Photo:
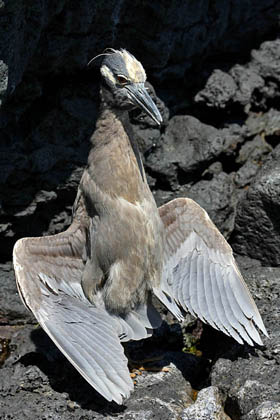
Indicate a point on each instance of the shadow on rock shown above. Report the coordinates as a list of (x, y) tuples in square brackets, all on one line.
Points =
[(161, 353), (63, 377)]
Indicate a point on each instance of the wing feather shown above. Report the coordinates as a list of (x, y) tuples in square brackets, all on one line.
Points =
[(219, 318), (49, 272), (201, 273), (223, 310), (193, 292), (209, 301), (200, 288)]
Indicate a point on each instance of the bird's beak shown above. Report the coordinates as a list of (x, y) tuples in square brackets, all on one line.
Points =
[(140, 97)]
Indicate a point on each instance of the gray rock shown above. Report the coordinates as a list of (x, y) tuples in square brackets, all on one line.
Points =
[(218, 91), (257, 221), (3, 79), (49, 101), (244, 88), (37, 379), (268, 410), (255, 149), (41, 184), (267, 124), (217, 195), (61, 37), (219, 198), (162, 196), (252, 156), (247, 81), (266, 60), (12, 311), (252, 377), (246, 174), (188, 147), (189, 151), (208, 406), (48, 109), (248, 395)]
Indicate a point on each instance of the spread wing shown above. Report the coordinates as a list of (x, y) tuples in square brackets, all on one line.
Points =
[(48, 272), (201, 276)]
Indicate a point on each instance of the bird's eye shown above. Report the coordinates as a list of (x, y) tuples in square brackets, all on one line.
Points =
[(122, 80)]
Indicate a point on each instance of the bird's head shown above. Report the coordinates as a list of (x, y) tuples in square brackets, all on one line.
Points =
[(123, 80)]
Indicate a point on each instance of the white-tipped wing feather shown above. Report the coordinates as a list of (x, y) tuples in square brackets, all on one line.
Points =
[(201, 276), (88, 337), (48, 272)]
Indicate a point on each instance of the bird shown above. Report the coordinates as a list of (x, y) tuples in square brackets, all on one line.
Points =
[(91, 287)]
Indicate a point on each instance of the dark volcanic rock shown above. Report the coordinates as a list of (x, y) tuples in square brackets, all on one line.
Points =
[(49, 101), (266, 60), (188, 147), (247, 81), (29, 392), (61, 37), (212, 154), (258, 215), (36, 379), (252, 156), (247, 85), (219, 198), (189, 151), (267, 124), (12, 311), (217, 195), (225, 89), (40, 174), (253, 377), (219, 90)]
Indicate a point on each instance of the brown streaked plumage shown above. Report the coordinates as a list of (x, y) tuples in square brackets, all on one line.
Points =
[(91, 286)]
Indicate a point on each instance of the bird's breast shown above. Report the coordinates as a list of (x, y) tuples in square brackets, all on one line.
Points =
[(128, 235), (130, 244)]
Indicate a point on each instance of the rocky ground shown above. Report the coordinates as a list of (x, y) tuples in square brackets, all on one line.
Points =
[(217, 73), (212, 377)]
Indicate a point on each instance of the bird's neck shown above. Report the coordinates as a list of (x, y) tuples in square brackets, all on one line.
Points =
[(114, 162)]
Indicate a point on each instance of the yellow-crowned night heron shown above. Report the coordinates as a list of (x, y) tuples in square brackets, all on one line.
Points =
[(90, 287)]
